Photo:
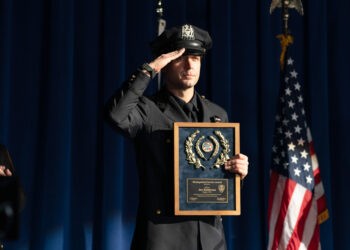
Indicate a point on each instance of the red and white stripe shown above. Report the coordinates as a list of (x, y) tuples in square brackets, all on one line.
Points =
[(319, 190), (293, 211)]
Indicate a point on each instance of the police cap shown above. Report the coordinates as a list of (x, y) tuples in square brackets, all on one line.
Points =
[(195, 40)]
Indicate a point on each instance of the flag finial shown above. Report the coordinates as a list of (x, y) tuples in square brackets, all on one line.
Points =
[(294, 4), (285, 5)]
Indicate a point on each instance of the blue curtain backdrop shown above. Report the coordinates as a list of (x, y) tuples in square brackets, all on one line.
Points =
[(61, 59)]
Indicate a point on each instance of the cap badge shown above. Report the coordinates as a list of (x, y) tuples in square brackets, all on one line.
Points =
[(187, 32)]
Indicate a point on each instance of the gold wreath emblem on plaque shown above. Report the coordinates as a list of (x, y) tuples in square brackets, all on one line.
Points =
[(191, 157)]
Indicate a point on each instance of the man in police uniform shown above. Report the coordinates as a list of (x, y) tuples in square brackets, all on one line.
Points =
[(148, 122)]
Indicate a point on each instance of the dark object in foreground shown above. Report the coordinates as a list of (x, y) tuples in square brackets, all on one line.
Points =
[(9, 207)]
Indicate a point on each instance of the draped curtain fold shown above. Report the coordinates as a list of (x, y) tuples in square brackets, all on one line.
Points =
[(61, 59)]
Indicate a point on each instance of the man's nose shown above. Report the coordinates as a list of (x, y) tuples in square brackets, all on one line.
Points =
[(188, 63)]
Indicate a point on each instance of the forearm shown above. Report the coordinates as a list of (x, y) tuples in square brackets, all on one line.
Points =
[(122, 110)]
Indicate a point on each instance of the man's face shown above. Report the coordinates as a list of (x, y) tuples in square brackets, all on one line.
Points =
[(183, 72)]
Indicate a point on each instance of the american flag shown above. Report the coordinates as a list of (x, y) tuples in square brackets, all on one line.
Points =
[(297, 203)]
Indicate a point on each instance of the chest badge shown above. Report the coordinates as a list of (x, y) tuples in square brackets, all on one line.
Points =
[(215, 119)]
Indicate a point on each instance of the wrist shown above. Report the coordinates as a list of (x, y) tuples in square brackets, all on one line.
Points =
[(148, 70), (153, 66), (146, 73)]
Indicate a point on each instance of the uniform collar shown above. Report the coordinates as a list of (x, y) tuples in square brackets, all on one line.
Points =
[(174, 111), (182, 103)]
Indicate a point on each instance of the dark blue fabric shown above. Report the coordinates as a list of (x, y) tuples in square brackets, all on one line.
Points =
[(61, 59)]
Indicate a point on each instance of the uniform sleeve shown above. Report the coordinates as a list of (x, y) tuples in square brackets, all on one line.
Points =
[(126, 110)]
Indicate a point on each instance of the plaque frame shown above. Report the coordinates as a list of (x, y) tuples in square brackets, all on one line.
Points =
[(231, 210)]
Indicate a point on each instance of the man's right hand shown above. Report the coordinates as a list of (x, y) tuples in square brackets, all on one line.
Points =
[(163, 60)]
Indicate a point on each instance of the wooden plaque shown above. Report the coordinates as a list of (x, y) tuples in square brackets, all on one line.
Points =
[(202, 185)]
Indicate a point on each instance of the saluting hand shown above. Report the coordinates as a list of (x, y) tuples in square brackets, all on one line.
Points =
[(238, 164), (5, 171), (162, 60)]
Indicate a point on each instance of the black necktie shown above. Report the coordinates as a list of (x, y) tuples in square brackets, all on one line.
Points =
[(190, 111)]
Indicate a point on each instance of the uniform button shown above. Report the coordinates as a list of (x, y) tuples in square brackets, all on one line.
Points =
[(132, 78), (168, 140), (158, 211), (203, 96)]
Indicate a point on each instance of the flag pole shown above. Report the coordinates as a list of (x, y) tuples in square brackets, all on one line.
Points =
[(285, 16), (161, 28)]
